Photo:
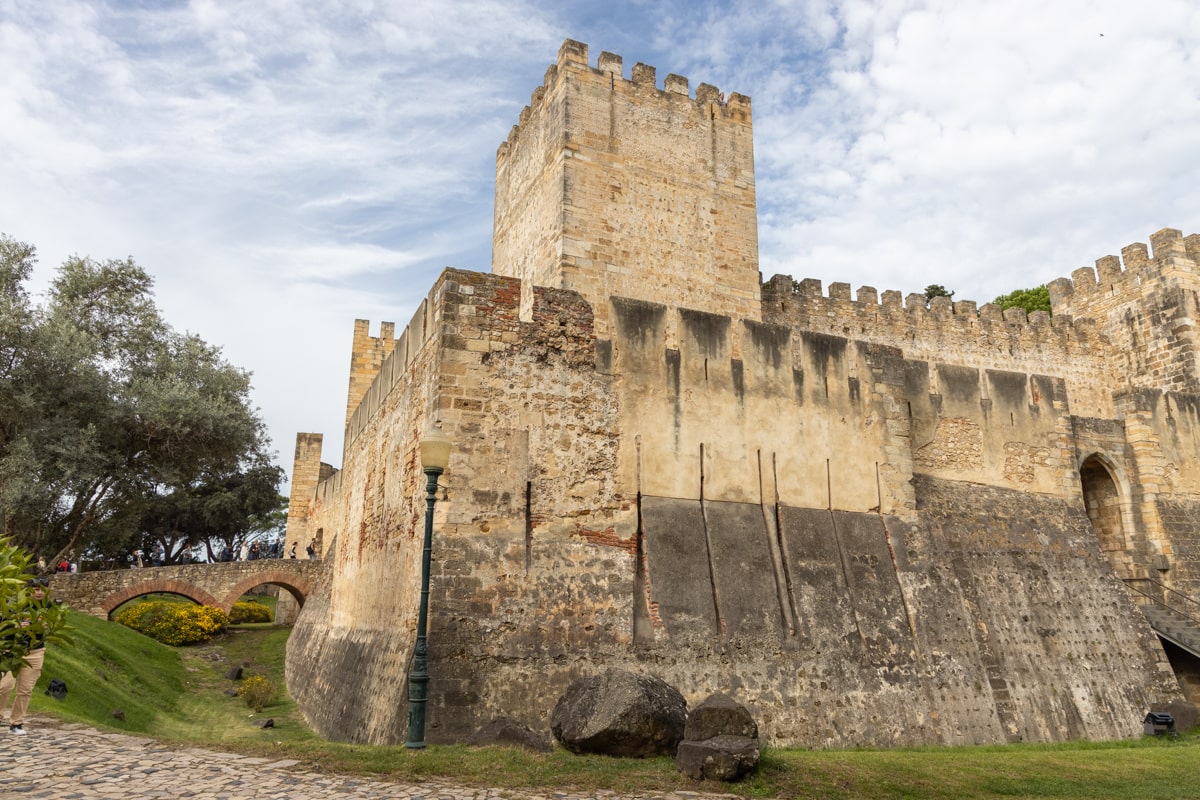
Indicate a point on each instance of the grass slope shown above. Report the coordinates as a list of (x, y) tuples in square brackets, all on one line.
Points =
[(180, 694)]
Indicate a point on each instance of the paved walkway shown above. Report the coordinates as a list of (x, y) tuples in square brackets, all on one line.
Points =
[(74, 762)]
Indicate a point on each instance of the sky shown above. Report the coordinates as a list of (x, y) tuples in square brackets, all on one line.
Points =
[(284, 167)]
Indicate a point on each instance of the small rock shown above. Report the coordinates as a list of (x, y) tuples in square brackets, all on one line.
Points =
[(231, 692), (234, 674), (719, 715), (507, 732), (265, 723), (721, 758), (57, 689), (119, 714)]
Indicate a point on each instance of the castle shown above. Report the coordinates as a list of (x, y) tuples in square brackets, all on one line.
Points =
[(871, 519)]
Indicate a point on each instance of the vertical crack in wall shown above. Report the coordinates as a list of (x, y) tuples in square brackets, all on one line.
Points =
[(842, 557), (771, 525), (784, 553), (643, 624), (528, 526), (712, 573)]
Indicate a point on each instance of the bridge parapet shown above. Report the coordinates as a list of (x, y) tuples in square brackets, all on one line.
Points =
[(219, 585)]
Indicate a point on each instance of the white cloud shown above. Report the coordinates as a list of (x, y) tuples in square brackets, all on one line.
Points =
[(284, 167)]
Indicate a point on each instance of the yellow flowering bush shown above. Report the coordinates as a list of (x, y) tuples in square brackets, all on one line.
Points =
[(257, 691), (173, 623), (249, 612)]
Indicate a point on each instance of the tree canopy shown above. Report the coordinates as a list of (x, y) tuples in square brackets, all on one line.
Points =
[(1035, 299), (936, 290), (107, 413)]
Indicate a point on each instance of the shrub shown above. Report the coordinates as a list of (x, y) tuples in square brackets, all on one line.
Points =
[(257, 691), (249, 612), (174, 624)]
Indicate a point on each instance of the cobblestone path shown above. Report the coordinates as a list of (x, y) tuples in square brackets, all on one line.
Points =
[(75, 762)]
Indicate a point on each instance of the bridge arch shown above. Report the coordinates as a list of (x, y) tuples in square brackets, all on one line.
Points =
[(297, 586), (158, 586)]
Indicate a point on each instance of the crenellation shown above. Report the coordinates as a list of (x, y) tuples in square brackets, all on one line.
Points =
[(915, 301), (1016, 314), (941, 307), (644, 76), (675, 84), (1109, 269), (867, 296), (839, 291), (610, 63), (708, 94), (1167, 242), (1136, 256)]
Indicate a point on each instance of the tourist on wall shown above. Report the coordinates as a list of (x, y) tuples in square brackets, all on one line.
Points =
[(311, 550), (293, 551)]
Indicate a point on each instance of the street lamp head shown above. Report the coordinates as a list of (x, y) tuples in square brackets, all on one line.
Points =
[(435, 448)]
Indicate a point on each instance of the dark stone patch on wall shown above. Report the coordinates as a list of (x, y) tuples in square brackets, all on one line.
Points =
[(772, 342), (604, 362), (1008, 390), (823, 350), (638, 322), (677, 567), (742, 566), (958, 386), (875, 587), (822, 597), (710, 332), (798, 385), (737, 373)]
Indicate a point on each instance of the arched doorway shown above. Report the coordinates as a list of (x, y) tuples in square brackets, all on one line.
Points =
[(1102, 499), (1103, 503)]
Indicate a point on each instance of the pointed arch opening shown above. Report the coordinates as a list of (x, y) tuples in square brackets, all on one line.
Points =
[(1102, 499)]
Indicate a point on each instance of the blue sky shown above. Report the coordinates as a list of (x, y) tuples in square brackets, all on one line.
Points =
[(283, 167)]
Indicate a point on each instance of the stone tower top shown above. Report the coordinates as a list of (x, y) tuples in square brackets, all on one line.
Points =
[(613, 186)]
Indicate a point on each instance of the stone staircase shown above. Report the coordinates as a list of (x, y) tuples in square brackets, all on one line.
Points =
[(1174, 627)]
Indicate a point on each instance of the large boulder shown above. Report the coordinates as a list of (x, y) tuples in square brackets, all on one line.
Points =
[(720, 741), (619, 713)]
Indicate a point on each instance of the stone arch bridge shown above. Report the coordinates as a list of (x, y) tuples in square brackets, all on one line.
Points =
[(219, 585)]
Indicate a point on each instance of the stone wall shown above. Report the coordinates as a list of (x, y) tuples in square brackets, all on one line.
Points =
[(810, 526)]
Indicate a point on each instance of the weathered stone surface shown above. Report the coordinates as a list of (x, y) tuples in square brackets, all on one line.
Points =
[(721, 758), (719, 715), (234, 674), (618, 713), (510, 733)]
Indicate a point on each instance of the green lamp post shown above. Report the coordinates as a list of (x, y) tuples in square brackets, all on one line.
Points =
[(435, 454)]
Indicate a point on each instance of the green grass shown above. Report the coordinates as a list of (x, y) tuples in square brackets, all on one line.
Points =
[(179, 694)]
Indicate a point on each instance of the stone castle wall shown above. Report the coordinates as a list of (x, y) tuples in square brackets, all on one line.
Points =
[(872, 520), (776, 526)]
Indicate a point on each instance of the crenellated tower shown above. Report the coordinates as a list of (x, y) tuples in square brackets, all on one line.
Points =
[(1147, 306), (613, 186)]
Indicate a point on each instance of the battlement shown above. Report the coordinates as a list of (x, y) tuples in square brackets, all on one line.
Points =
[(1116, 280), (573, 57), (894, 315)]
